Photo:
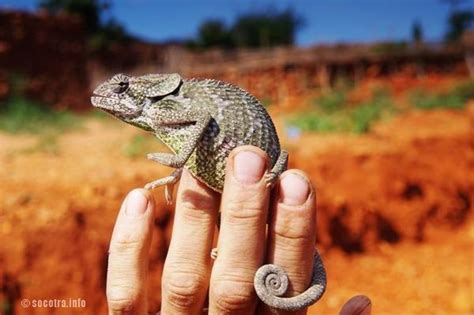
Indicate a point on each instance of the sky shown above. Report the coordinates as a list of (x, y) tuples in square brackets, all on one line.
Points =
[(326, 21)]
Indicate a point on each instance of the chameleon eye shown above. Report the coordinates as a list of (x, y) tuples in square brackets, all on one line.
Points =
[(121, 87)]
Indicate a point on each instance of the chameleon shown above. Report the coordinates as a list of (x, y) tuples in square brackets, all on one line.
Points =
[(201, 121)]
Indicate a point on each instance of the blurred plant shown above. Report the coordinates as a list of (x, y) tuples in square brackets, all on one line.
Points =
[(266, 29), (18, 114), (89, 11), (139, 146), (390, 47), (96, 113), (332, 101), (456, 98), (100, 32), (111, 32), (316, 122), (266, 102), (458, 22), (336, 117), (214, 33), (417, 32), (465, 90), (256, 29), (364, 115), (21, 115)]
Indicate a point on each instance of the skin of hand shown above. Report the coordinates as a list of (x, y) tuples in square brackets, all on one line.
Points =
[(189, 274)]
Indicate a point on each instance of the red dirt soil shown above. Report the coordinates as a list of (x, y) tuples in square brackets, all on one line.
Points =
[(394, 214)]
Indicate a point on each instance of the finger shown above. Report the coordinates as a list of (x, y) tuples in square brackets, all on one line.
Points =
[(292, 234), (357, 305), (242, 235), (187, 268), (128, 255)]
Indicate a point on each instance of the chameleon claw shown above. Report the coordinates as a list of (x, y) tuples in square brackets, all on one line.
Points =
[(149, 186), (162, 158), (169, 194), (214, 253), (269, 178)]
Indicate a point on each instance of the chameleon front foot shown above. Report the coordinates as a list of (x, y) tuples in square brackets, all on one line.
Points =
[(169, 181), (167, 159), (271, 282)]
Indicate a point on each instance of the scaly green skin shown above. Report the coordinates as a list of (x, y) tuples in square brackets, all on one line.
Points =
[(222, 101), (202, 121)]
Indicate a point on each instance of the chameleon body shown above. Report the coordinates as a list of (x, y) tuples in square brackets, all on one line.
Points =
[(202, 121)]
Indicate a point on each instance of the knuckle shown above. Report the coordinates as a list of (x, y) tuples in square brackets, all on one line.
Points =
[(184, 290), (244, 209), (295, 233), (231, 296), (196, 202), (125, 244), (119, 300)]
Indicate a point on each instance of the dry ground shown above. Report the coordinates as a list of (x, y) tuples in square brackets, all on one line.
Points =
[(395, 213)]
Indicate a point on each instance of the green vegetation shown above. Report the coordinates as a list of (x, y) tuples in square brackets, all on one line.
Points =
[(458, 22), (395, 47), (20, 115), (333, 101), (380, 106), (332, 114), (266, 102), (100, 32), (456, 98), (321, 122), (423, 100), (255, 29), (139, 146), (464, 90), (417, 32)]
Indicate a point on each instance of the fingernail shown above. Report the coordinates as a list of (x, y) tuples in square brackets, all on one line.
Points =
[(136, 203), (357, 305), (294, 189), (248, 167)]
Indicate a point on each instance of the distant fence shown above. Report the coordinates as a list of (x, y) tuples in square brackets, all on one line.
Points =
[(279, 72), (51, 52)]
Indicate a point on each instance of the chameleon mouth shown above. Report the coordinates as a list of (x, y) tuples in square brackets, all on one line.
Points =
[(115, 106), (100, 100), (104, 103), (96, 100), (100, 95)]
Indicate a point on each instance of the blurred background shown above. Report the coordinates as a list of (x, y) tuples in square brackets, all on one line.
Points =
[(373, 99)]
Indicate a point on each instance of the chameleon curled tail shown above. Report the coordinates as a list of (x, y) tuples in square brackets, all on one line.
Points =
[(271, 282)]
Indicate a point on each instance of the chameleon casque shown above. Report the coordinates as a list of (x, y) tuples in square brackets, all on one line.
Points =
[(201, 121)]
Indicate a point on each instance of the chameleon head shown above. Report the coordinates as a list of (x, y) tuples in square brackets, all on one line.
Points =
[(117, 97), (128, 97)]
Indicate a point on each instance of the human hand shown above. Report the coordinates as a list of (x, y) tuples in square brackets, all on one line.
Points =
[(243, 244)]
